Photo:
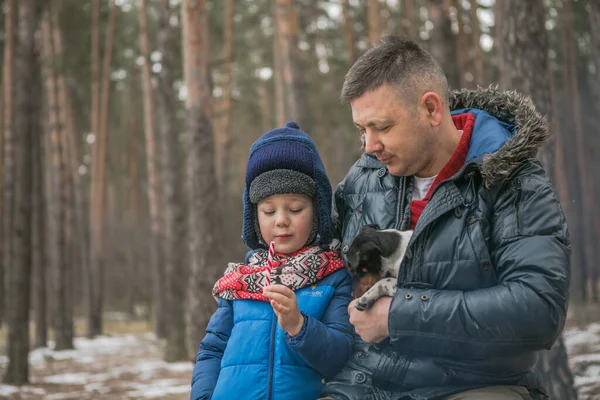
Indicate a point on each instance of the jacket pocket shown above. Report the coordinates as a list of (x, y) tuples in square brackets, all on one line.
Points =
[(479, 244)]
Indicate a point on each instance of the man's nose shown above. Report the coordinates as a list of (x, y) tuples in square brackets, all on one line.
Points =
[(372, 143)]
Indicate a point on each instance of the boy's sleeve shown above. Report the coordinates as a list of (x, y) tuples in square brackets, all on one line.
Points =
[(212, 347), (326, 345)]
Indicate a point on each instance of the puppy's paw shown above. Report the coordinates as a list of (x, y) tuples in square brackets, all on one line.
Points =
[(364, 303)]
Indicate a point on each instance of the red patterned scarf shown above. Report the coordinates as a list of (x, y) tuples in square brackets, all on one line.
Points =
[(302, 268)]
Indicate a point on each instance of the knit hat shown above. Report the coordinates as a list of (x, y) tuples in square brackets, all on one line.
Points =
[(286, 160)]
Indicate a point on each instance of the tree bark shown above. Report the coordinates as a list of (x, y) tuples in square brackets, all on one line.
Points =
[(17, 371), (295, 88), (442, 43), (62, 320), (409, 21), (204, 213), (172, 184), (77, 205), (281, 112), (594, 14), (348, 33), (373, 21), (223, 145), (158, 293), (477, 53), (585, 235), (522, 32), (39, 238), (7, 201)]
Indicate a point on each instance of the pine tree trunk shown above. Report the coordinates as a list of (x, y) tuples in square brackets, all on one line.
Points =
[(409, 21), (133, 212), (584, 181), (17, 371), (77, 205), (373, 21), (281, 113), (204, 212), (62, 320), (40, 260), (223, 146), (159, 290), (462, 46), (348, 33), (295, 88), (172, 185), (594, 15), (523, 46), (8, 185), (479, 79), (442, 43)]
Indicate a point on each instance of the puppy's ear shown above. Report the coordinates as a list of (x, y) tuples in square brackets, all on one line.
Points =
[(359, 248)]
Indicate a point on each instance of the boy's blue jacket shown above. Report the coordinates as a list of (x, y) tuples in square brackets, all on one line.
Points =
[(246, 355)]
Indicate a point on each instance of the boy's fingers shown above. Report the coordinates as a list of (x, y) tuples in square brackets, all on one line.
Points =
[(281, 289), (280, 298)]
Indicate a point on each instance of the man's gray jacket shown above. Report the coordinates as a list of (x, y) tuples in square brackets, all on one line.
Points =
[(484, 284)]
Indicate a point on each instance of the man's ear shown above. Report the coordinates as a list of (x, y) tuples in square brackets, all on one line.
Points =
[(434, 106)]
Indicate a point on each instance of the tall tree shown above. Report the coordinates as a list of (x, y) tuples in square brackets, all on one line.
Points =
[(158, 281), (62, 319), (477, 53), (17, 371), (293, 74), (223, 139), (373, 21), (39, 243), (522, 31), (77, 219), (93, 284), (442, 43), (97, 253), (204, 211), (172, 189), (281, 112), (594, 15), (8, 158), (348, 33)]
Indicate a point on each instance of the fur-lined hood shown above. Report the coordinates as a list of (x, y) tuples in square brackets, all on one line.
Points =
[(529, 128)]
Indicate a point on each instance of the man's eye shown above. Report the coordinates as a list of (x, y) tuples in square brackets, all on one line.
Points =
[(384, 129)]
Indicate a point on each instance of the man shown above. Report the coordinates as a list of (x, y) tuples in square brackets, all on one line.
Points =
[(484, 283)]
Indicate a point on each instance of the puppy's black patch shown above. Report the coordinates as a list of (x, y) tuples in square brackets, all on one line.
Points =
[(365, 252)]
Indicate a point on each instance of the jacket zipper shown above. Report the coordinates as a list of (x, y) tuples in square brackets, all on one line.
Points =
[(401, 210), (271, 357)]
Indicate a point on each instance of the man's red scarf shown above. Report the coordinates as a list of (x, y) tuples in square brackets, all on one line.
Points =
[(462, 122), (302, 268)]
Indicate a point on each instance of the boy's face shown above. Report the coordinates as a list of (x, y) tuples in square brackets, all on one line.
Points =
[(286, 219)]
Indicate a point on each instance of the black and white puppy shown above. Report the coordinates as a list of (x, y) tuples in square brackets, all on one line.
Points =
[(378, 253)]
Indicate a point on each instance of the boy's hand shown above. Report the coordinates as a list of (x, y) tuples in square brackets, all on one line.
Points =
[(283, 301)]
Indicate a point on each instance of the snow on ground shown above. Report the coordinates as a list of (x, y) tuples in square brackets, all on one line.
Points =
[(118, 367), (583, 347), (130, 367)]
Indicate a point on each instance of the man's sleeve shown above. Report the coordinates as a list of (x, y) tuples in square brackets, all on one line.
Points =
[(524, 312)]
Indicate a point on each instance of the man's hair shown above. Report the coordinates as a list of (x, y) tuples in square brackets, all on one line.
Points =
[(400, 63)]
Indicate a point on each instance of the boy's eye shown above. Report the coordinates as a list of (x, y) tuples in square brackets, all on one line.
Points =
[(297, 210), (268, 212)]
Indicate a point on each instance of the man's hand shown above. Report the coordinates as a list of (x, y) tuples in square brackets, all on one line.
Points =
[(283, 301), (371, 324)]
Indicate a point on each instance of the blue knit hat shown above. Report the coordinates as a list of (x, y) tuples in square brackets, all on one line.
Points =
[(295, 155)]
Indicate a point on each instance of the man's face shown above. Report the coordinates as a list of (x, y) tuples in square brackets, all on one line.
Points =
[(395, 132)]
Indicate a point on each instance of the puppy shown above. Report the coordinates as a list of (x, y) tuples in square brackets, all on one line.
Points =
[(377, 253)]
